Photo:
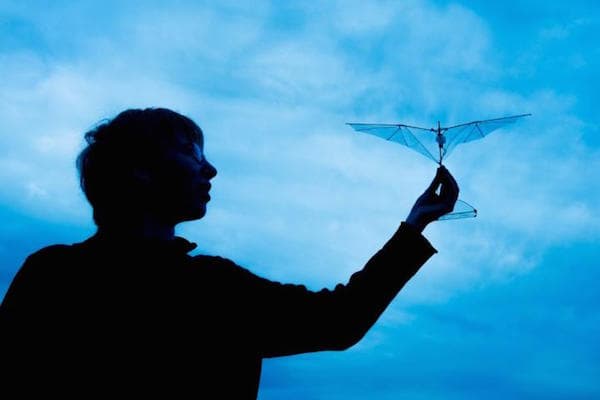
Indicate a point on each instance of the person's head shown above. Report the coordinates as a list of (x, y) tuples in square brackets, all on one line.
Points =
[(145, 163)]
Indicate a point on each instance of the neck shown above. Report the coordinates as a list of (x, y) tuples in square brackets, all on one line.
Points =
[(145, 229)]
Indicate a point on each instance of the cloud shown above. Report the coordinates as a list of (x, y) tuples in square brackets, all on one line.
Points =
[(300, 197)]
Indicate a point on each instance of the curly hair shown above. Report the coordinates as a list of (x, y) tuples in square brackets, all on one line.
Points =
[(116, 148)]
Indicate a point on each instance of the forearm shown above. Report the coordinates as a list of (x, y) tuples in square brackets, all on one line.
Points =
[(336, 319), (371, 290)]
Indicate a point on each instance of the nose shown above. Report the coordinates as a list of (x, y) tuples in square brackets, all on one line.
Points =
[(208, 170)]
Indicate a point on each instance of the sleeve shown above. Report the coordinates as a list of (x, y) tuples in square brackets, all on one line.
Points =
[(291, 319)]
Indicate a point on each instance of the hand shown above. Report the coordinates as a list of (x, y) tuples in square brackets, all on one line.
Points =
[(430, 205)]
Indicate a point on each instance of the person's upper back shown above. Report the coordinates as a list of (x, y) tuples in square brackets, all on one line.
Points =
[(104, 312)]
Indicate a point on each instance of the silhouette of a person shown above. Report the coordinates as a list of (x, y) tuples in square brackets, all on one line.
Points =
[(129, 311)]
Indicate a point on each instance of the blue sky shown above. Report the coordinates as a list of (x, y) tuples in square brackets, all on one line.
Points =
[(508, 308)]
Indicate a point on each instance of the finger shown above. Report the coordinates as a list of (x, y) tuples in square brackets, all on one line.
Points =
[(449, 191), (452, 182)]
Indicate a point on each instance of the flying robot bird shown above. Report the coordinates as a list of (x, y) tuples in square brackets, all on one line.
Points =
[(437, 143)]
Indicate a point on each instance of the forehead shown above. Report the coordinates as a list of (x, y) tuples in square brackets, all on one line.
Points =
[(182, 148), (188, 140)]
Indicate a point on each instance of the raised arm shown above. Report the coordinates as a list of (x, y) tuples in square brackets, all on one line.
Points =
[(289, 319)]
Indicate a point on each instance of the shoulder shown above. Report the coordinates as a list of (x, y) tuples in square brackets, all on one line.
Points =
[(39, 270), (50, 255), (224, 268), (50, 260), (46, 256), (217, 263), (52, 251)]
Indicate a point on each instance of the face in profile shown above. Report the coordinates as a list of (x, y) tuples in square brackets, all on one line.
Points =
[(185, 182)]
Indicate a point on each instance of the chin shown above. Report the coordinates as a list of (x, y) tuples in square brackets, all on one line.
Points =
[(195, 214)]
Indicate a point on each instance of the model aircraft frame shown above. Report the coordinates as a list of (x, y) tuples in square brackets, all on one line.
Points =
[(437, 143)]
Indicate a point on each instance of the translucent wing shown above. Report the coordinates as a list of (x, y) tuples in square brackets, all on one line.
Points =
[(462, 209), (418, 139), (470, 131)]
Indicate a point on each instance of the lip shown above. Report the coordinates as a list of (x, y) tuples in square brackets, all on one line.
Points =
[(205, 188)]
